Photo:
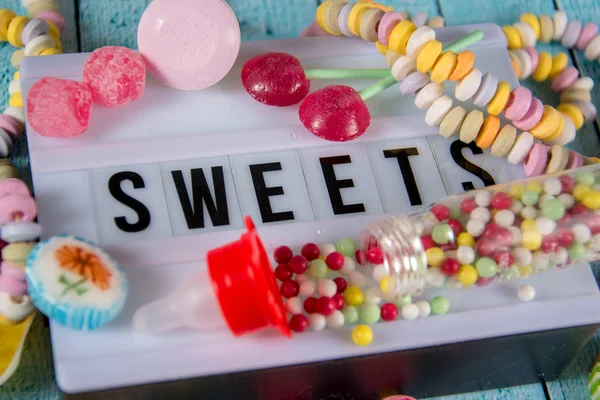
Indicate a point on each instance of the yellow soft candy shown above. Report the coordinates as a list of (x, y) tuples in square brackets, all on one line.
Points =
[(428, 56), (353, 296), (516, 190), (53, 29), (443, 67), (6, 16), (320, 18), (16, 58), (386, 284), (15, 100), (50, 52), (362, 335), (579, 190), (573, 112), (356, 15), (467, 275), (382, 48), (513, 37), (535, 186), (531, 240), (435, 256), (16, 76), (465, 239), (525, 271), (528, 225), (559, 63), (542, 72), (591, 199), (498, 102), (15, 29), (531, 20), (400, 35)]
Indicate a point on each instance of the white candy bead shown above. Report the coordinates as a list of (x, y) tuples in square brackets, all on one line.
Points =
[(371, 296), (327, 287), (545, 197), (6, 144), (418, 40), (17, 113), (380, 272), (522, 256), (525, 62), (308, 288), (529, 212), (465, 255), (402, 67), (527, 34), (326, 249), (475, 227), (582, 234), (317, 322), (428, 95), (583, 83), (483, 198), (348, 267), (357, 279), (15, 309), (540, 261), (517, 235), (438, 111), (301, 278), (526, 292), (560, 256), (481, 214), (21, 232), (14, 87), (467, 87), (435, 277), (560, 23), (410, 311), (424, 308), (335, 319), (521, 148), (37, 44), (552, 186), (294, 305), (545, 226), (516, 206), (505, 218), (592, 50)]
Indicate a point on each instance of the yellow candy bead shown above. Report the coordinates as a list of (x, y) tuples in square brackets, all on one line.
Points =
[(465, 239), (535, 186), (435, 256), (528, 225), (516, 190), (467, 275), (525, 271), (531, 20), (559, 63), (591, 199), (50, 52), (39, 6), (443, 67), (320, 18), (498, 102), (16, 100), (16, 76), (15, 29), (362, 335), (53, 31), (386, 284), (356, 15), (547, 125), (513, 37), (6, 16), (400, 35), (428, 56), (579, 190), (531, 240), (544, 67), (573, 112), (16, 58), (382, 48), (353, 296), (559, 129)]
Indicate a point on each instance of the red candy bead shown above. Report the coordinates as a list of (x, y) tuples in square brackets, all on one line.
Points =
[(486, 247), (504, 259), (335, 113), (490, 229), (450, 266), (310, 251), (283, 272), (565, 220), (549, 244), (59, 107), (468, 205), (298, 323), (456, 226), (389, 312), (325, 305), (360, 257), (115, 75), (568, 184), (578, 210), (484, 281), (289, 289), (341, 284), (310, 305), (427, 242), (375, 255), (276, 79), (593, 222), (335, 261), (338, 300), (501, 201), (565, 237), (441, 212), (283, 254), (449, 247), (298, 264)]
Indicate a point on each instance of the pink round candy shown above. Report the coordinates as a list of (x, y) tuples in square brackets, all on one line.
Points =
[(387, 24), (11, 126), (565, 79), (189, 44), (13, 186), (535, 57), (59, 107), (536, 160), (55, 17), (575, 160), (588, 33), (12, 271), (518, 103), (115, 75), (17, 207), (532, 117), (12, 287)]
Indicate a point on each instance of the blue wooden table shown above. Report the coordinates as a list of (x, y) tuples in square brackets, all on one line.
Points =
[(96, 23)]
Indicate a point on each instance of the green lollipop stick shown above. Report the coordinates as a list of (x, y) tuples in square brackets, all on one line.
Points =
[(324, 73)]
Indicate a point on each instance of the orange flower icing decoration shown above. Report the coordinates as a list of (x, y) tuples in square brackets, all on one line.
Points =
[(85, 264)]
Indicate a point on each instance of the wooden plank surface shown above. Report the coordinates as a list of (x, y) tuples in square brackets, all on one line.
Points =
[(114, 22)]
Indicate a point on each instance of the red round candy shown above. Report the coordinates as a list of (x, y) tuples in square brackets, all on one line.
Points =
[(502, 237), (375, 255), (501, 201), (486, 247), (310, 251), (565, 220), (484, 281), (336, 113), (549, 244), (504, 259), (468, 205), (335, 261), (115, 75), (450, 266), (491, 229), (298, 323), (389, 312), (565, 237), (360, 257), (283, 272), (456, 226), (298, 264), (283, 254), (341, 284), (59, 107), (579, 209), (441, 212), (427, 242), (276, 79), (325, 305), (593, 222), (568, 184), (449, 247), (310, 305), (289, 289), (338, 300)]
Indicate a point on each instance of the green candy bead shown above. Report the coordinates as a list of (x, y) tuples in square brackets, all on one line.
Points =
[(346, 247), (455, 212), (442, 234), (369, 313), (586, 178), (530, 198), (553, 209), (317, 269), (576, 251), (402, 301), (350, 314), (439, 305), (486, 267)]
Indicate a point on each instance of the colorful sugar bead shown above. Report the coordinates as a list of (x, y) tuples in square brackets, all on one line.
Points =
[(362, 335)]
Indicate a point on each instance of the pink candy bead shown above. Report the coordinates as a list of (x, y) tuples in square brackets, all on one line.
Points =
[(536, 160), (588, 33), (17, 207), (575, 160), (12, 271), (532, 117), (13, 186), (55, 17), (535, 58), (11, 126), (387, 24), (565, 79), (518, 103), (12, 286)]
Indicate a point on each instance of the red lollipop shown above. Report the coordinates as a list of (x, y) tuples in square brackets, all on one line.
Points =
[(275, 79), (335, 113)]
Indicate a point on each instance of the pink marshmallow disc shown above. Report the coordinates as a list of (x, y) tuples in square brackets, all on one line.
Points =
[(189, 44), (115, 75), (59, 107)]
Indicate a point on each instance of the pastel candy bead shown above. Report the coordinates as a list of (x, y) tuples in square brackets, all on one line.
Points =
[(11, 286), (438, 110), (544, 67), (560, 23), (498, 102), (6, 16), (535, 57), (588, 110), (436, 22), (15, 30), (17, 253), (189, 44), (388, 22), (11, 126), (525, 63), (547, 124), (420, 18), (355, 17), (320, 18), (575, 160), (75, 283), (7, 172), (13, 271), (572, 31), (572, 95), (418, 40), (535, 162), (532, 117), (588, 33), (16, 57), (566, 136), (546, 29), (572, 112), (368, 24), (489, 131), (558, 159), (471, 126), (6, 144), (15, 309), (527, 34), (38, 45), (504, 141), (486, 90), (343, 19), (17, 113), (583, 83), (55, 17), (464, 64), (452, 121), (20, 232), (59, 107), (14, 87), (518, 104), (559, 63), (443, 67), (512, 37), (430, 93), (39, 6), (17, 207), (592, 50), (13, 186), (565, 79), (400, 35), (521, 148), (402, 67), (34, 28), (413, 82), (468, 85), (331, 14), (532, 21), (391, 57)]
